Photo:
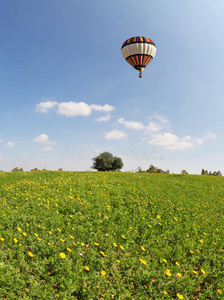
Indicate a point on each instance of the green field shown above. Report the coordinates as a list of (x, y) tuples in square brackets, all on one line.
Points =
[(93, 235)]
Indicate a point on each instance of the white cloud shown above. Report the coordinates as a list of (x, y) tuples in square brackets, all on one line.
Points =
[(2, 158), (103, 119), (164, 139), (47, 149), (10, 144), (154, 127), (44, 107), (199, 141), (131, 124), (210, 135), (171, 141), (116, 134), (181, 145), (160, 119), (71, 109), (43, 138), (1, 141), (106, 107)]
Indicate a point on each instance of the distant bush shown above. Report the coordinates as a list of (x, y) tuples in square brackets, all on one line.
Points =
[(184, 172), (34, 170), (215, 173), (153, 169), (17, 169)]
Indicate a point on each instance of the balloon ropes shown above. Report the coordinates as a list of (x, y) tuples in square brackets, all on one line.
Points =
[(138, 51)]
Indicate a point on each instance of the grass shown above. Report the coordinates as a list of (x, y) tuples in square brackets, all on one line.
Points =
[(93, 235)]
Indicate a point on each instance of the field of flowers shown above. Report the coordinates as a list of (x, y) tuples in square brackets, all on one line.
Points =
[(93, 235)]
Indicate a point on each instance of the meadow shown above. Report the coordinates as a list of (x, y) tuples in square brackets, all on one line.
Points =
[(93, 235)]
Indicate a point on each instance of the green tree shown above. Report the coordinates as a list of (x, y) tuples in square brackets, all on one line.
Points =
[(17, 169), (139, 170), (184, 172), (152, 169), (204, 172), (106, 162), (117, 163), (34, 170)]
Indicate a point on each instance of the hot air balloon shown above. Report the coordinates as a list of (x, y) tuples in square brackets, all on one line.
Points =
[(138, 51)]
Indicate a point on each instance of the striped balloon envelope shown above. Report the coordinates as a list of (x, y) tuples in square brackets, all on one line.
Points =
[(138, 51)]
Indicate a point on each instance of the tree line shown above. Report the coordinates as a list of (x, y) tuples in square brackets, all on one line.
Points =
[(107, 162)]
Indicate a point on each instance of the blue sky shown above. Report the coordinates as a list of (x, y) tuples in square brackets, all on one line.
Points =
[(67, 94)]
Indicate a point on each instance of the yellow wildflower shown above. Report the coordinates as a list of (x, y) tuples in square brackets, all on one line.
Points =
[(180, 296), (121, 247), (62, 255), (168, 273), (115, 245), (15, 240), (202, 271), (165, 292), (103, 254), (30, 254), (142, 261), (142, 248), (87, 268), (103, 273), (179, 275), (219, 292)]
